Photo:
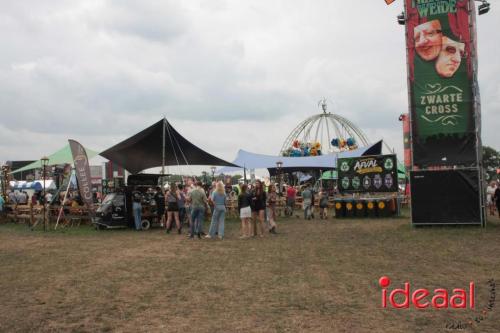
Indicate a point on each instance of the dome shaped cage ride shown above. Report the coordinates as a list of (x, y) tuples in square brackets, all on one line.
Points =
[(323, 133)]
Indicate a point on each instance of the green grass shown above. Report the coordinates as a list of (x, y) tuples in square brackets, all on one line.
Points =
[(314, 276)]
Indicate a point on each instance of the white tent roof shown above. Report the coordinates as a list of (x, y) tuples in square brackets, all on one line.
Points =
[(246, 159)]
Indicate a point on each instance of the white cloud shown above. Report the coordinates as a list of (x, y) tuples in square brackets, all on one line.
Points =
[(227, 74)]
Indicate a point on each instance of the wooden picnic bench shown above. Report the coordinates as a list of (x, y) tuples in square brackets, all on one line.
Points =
[(72, 215), (24, 213)]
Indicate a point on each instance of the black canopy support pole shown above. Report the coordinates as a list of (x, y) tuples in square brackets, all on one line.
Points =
[(163, 153)]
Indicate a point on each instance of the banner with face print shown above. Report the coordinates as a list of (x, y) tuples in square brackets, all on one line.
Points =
[(368, 174), (440, 49)]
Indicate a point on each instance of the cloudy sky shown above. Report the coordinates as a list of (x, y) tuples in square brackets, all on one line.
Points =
[(229, 75)]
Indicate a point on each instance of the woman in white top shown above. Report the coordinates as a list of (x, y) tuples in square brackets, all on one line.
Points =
[(490, 191)]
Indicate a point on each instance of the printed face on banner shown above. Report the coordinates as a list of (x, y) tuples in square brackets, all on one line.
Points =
[(428, 39), (450, 57)]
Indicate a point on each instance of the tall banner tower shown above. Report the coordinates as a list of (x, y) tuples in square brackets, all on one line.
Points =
[(446, 176)]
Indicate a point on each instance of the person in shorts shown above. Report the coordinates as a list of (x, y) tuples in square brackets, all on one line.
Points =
[(258, 207), (272, 199), (244, 203), (172, 198), (323, 204)]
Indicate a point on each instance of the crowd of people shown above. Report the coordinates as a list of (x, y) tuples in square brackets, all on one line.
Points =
[(72, 198), (179, 205), (21, 197)]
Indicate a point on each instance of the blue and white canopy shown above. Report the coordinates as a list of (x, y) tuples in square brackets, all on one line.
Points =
[(36, 185), (248, 160)]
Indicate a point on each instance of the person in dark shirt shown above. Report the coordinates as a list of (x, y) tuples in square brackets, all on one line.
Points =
[(258, 208), (159, 198), (182, 204), (137, 208), (496, 199), (244, 203), (172, 196)]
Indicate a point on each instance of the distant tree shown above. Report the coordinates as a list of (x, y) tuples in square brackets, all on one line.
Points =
[(491, 162), (235, 179)]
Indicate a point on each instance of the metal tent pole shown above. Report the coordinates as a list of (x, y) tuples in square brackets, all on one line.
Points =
[(163, 154)]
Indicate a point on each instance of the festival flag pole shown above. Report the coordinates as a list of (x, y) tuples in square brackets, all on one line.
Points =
[(64, 199)]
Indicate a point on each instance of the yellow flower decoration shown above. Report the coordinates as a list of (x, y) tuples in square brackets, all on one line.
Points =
[(381, 205), (349, 206)]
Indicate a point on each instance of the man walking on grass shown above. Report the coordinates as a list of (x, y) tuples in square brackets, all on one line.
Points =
[(307, 197), (199, 202)]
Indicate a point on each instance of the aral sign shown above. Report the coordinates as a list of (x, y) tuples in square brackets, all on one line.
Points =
[(368, 174)]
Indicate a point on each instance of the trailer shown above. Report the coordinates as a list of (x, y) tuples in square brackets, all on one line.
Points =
[(115, 210)]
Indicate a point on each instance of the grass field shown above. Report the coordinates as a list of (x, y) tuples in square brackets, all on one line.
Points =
[(314, 276)]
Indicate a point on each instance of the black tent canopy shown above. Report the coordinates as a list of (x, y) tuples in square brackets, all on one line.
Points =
[(159, 145)]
